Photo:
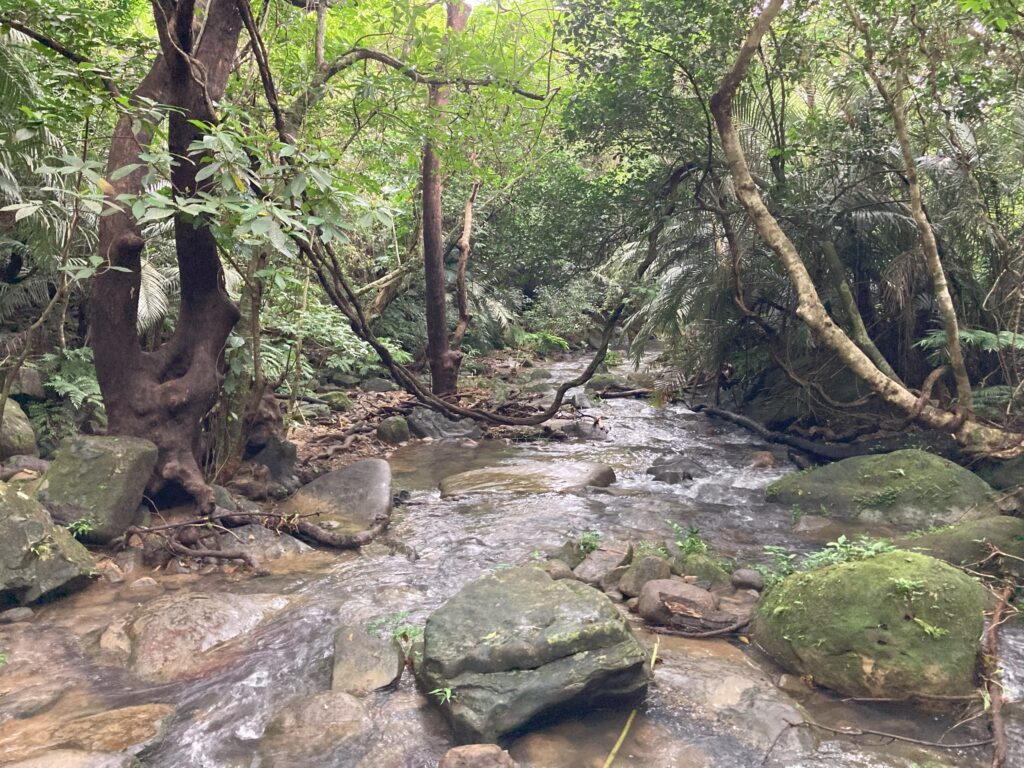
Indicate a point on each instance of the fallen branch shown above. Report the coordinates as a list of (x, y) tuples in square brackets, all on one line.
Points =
[(698, 635), (990, 650), (611, 394)]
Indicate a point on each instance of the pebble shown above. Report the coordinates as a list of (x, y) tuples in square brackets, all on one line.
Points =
[(12, 615)]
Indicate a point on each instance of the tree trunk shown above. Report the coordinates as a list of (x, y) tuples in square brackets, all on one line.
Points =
[(444, 361), (163, 395), (971, 434)]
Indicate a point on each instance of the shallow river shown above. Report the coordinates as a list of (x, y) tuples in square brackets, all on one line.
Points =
[(713, 703)]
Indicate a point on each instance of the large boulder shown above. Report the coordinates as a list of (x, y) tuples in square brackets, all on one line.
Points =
[(98, 482), (911, 489), (515, 644), (897, 625), (971, 543), (16, 435), (424, 422), (347, 500), (529, 477), (171, 636), (36, 556)]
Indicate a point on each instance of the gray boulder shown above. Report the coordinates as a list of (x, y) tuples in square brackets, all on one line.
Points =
[(16, 435), (677, 469), (364, 663), (529, 477), (607, 558), (911, 489), (262, 543), (98, 481), (641, 571), (347, 500), (28, 384), (378, 384), (656, 594), (424, 422), (394, 430), (36, 557), (515, 644)]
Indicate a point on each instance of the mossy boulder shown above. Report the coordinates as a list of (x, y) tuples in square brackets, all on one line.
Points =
[(1003, 475), (910, 489), (394, 430), (336, 400), (515, 645), (898, 625), (705, 567), (969, 543), (98, 481), (16, 435), (37, 558)]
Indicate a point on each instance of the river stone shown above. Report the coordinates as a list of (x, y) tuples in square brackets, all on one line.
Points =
[(36, 557), (654, 594), (747, 578), (99, 480), (262, 543), (394, 430), (676, 470), (16, 435), (912, 489), (75, 758), (641, 571), (529, 477), (968, 543), (363, 663), (477, 756), (596, 566), (515, 644), (170, 635), (702, 566), (424, 422), (347, 500), (601, 382), (896, 625), (311, 726)]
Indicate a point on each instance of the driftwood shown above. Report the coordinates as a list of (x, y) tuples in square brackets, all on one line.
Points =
[(687, 619), (827, 451)]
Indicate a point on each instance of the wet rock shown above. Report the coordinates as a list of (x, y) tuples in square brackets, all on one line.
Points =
[(16, 435), (37, 558), (394, 430), (346, 500), (913, 489), (556, 569), (339, 401), (477, 756), (364, 663), (970, 542), (895, 625), (641, 571), (529, 477), (75, 758), (676, 470), (656, 594), (262, 543), (607, 557), (571, 553), (98, 482), (424, 422), (747, 578), (170, 635), (762, 460), (702, 566), (581, 401), (583, 428), (110, 571), (128, 729), (602, 382), (313, 725), (14, 615), (146, 586), (516, 644), (378, 384)]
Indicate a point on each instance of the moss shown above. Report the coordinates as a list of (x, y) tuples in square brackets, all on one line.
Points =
[(704, 566), (854, 630), (970, 543)]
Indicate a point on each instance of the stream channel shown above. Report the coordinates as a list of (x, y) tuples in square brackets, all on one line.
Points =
[(712, 703)]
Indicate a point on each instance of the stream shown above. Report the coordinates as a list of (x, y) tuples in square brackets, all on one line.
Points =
[(713, 702)]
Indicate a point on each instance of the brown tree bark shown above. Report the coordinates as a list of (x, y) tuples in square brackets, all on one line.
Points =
[(443, 360), (163, 395)]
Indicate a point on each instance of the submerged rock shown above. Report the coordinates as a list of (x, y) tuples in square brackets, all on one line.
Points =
[(896, 625), (169, 636), (16, 435), (364, 663), (477, 756), (529, 477), (346, 500), (424, 422), (312, 725), (37, 558), (515, 644), (98, 483), (910, 488), (676, 469)]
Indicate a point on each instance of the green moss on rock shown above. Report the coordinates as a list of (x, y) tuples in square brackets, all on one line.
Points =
[(911, 488), (970, 543), (898, 625)]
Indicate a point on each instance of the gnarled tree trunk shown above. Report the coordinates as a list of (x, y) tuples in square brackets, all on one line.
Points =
[(163, 395)]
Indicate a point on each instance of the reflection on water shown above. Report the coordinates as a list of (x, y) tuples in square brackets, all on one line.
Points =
[(714, 703)]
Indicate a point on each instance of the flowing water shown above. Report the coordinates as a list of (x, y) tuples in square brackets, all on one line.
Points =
[(713, 702)]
